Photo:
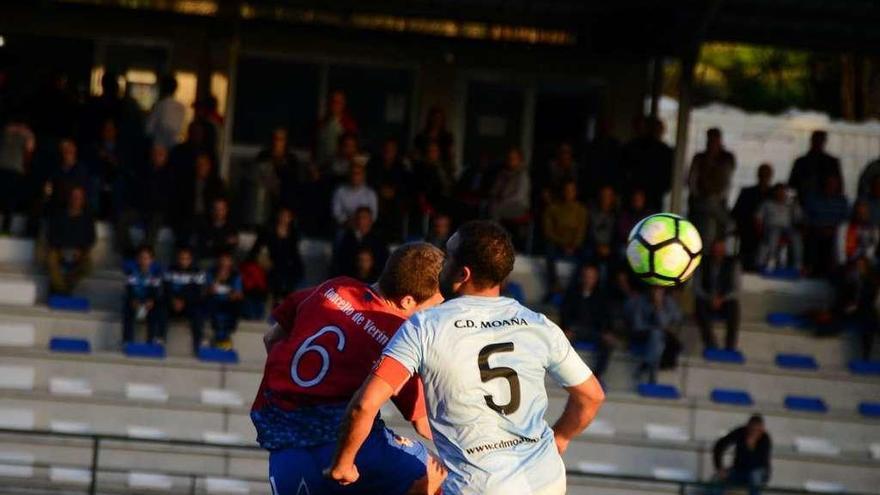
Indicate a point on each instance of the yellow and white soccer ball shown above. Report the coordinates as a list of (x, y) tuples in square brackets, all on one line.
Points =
[(664, 249)]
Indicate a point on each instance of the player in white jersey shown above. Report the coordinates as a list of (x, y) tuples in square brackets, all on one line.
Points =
[(483, 359)]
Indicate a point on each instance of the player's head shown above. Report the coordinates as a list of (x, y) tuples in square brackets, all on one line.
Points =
[(184, 257), (410, 278), (480, 256)]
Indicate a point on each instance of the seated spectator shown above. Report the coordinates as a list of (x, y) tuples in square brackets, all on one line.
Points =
[(655, 316), (435, 131), (165, 122), (223, 302), (716, 291), (347, 154), (68, 175), (855, 303), (389, 177), (472, 189), (195, 196), (562, 168), (184, 292), (601, 233), (509, 195), (433, 179), (365, 268), (255, 289), (825, 212), (281, 240), (143, 299), (216, 233), (270, 180), (751, 459), (628, 217), (441, 229), (155, 210), (17, 144), (355, 194), (744, 211), (183, 157), (586, 318), (857, 238), (70, 237), (355, 238), (869, 176), (110, 174), (873, 199), (565, 228), (776, 218)]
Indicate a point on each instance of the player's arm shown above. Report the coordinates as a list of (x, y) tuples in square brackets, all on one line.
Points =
[(582, 406), (410, 401)]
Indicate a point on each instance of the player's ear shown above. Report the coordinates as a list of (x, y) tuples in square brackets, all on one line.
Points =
[(465, 274), (408, 304)]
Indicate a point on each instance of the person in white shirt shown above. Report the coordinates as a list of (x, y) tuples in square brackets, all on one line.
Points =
[(483, 360), (355, 194), (165, 122)]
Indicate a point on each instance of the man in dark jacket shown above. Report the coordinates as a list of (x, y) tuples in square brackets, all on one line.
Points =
[(71, 235), (751, 461), (216, 233), (195, 197), (184, 293), (716, 289), (744, 212), (810, 171), (586, 317), (360, 236)]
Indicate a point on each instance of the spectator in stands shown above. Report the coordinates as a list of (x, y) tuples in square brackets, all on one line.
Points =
[(585, 315), (440, 231), (17, 144), (157, 181), (630, 216), (216, 233), (347, 156), (869, 175), (857, 238), (365, 268), (183, 157), (359, 236), (165, 122), (655, 316), (561, 169), (601, 233), (270, 181), (281, 240), (435, 131), (825, 212), (143, 298), (510, 195), (602, 165), (751, 460), (646, 161), (184, 292), (313, 196), (777, 218), (195, 197), (433, 180), (855, 302), (209, 118), (565, 229), (224, 296), (472, 188), (873, 200), (716, 291), (810, 171), (70, 237), (336, 122), (68, 175), (388, 176), (709, 181), (744, 213), (355, 194), (122, 109), (255, 290)]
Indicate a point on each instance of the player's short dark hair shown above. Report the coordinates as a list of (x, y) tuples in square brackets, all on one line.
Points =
[(413, 269), (145, 248), (486, 248)]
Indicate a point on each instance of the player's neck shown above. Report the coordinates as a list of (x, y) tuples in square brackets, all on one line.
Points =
[(475, 291)]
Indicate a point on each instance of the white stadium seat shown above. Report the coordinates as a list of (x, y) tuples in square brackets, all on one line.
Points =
[(221, 397), (78, 476), (146, 391), (221, 437), (16, 464), (669, 433), (17, 377), (874, 448), (70, 386), (601, 428), (17, 334), (597, 467), (149, 481), (63, 426), (815, 446), (18, 292), (16, 419), (672, 474), (145, 432), (224, 486), (817, 486)]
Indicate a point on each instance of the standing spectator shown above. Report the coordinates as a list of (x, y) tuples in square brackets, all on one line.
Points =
[(561, 169), (391, 180), (70, 237), (216, 234), (122, 109), (855, 303), (472, 189), (709, 182), (655, 316), (778, 218), (359, 236), (509, 197), (355, 194), (751, 460), (433, 180), (647, 161), (810, 171), (194, 198), (157, 183), (143, 299), (184, 292), (17, 143), (270, 181), (365, 268), (281, 240), (441, 229), (716, 291), (634, 213), (857, 238), (165, 122), (744, 212), (206, 114), (586, 317), (565, 228), (870, 174), (336, 122), (435, 131), (347, 156), (825, 212), (224, 296), (603, 161), (184, 156)]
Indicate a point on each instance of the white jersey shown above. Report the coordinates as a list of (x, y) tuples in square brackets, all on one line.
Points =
[(483, 362)]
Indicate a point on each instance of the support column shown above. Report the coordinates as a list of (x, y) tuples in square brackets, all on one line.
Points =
[(656, 85), (682, 128), (229, 118)]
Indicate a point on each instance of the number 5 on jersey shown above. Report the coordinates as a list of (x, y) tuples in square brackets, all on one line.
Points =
[(488, 373)]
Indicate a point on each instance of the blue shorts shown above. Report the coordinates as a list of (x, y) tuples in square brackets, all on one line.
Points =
[(388, 464)]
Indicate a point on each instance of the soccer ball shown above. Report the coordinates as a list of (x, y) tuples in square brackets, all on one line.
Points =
[(664, 249)]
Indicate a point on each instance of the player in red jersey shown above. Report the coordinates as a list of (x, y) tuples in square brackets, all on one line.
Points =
[(324, 342)]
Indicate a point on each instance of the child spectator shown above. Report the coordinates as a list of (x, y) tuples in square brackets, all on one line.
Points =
[(143, 293), (225, 293), (184, 293), (216, 233), (70, 236), (777, 218), (281, 241), (655, 316), (565, 228), (857, 238)]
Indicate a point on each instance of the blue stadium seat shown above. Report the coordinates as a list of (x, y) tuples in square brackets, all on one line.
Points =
[(658, 391), (806, 404), (796, 361), (723, 356), (585, 346), (213, 355), (870, 409), (145, 350), (731, 396), (782, 274), (780, 319), (865, 367), (69, 344), (68, 303)]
